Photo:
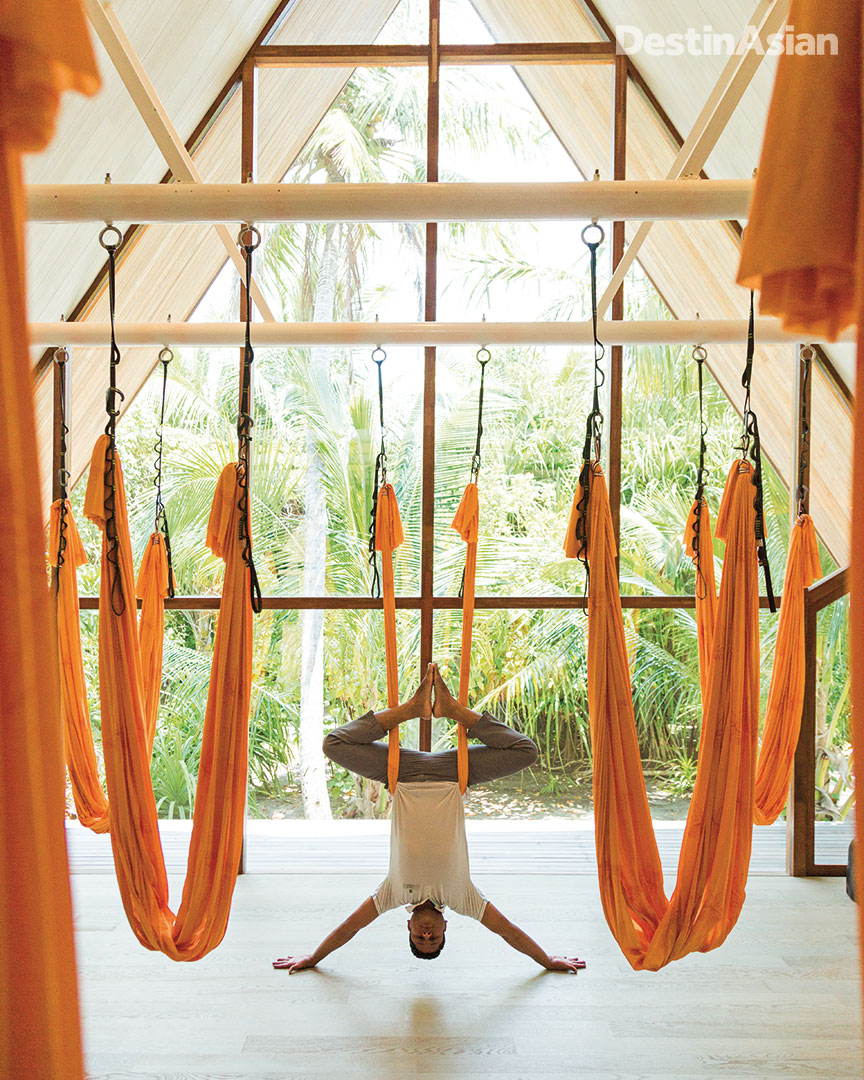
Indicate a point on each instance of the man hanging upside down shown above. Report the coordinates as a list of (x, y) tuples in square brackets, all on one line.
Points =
[(428, 848)]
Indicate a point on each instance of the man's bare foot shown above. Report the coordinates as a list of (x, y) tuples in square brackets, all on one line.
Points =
[(419, 704), (444, 700), (446, 705), (421, 700)]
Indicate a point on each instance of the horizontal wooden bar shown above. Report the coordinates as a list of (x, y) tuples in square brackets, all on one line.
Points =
[(352, 56), (581, 200), (827, 870), (223, 335), (322, 56), (440, 603), (538, 52), (828, 589)]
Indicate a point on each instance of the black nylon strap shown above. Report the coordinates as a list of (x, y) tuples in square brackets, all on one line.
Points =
[(700, 356), (804, 445), (750, 443), (113, 396), (245, 421), (61, 356), (161, 523), (592, 446), (378, 358), (483, 358)]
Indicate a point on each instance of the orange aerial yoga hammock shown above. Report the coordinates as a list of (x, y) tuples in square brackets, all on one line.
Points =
[(786, 694), (467, 523), (715, 851), (220, 797), (386, 536), (155, 582)]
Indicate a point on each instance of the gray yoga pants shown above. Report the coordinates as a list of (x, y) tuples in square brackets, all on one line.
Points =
[(358, 746)]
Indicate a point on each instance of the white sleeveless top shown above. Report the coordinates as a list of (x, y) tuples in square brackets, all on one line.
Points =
[(429, 851)]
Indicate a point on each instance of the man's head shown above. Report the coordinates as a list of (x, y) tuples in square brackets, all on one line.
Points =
[(426, 931)]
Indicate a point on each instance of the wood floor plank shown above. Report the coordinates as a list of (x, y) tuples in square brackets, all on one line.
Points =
[(779, 1000)]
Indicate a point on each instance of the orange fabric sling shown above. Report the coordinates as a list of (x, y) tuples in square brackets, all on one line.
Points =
[(786, 693), (467, 524), (804, 249), (699, 545), (155, 581), (44, 50), (388, 536), (715, 852), (220, 796), (91, 804)]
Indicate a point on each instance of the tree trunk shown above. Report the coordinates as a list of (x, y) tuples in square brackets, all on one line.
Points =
[(313, 780)]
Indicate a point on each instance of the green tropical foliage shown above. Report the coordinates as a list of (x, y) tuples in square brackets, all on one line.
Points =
[(322, 404)]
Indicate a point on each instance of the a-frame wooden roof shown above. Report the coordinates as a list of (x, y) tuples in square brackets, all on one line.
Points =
[(168, 268)]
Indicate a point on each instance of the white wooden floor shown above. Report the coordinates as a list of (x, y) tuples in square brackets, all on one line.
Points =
[(779, 999), (543, 846)]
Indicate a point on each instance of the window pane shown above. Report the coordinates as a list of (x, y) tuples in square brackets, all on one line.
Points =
[(365, 125), (835, 791), (492, 129), (315, 440), (464, 22)]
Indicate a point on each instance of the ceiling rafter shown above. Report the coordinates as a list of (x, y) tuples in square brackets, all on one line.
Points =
[(710, 124), (143, 94), (99, 283)]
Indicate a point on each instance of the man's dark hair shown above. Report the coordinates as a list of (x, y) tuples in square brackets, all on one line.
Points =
[(424, 955)]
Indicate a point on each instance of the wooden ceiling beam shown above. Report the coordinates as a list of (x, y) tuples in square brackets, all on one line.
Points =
[(351, 56), (346, 334)]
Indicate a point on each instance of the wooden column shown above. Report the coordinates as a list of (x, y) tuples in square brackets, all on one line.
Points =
[(427, 509), (800, 806), (616, 353), (248, 168)]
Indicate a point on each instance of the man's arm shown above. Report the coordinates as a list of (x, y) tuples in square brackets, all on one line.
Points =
[(519, 940), (365, 914)]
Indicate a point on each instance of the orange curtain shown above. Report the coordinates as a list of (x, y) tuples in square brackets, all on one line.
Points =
[(388, 536), (44, 50), (90, 802), (220, 796), (803, 248), (467, 524), (715, 852)]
